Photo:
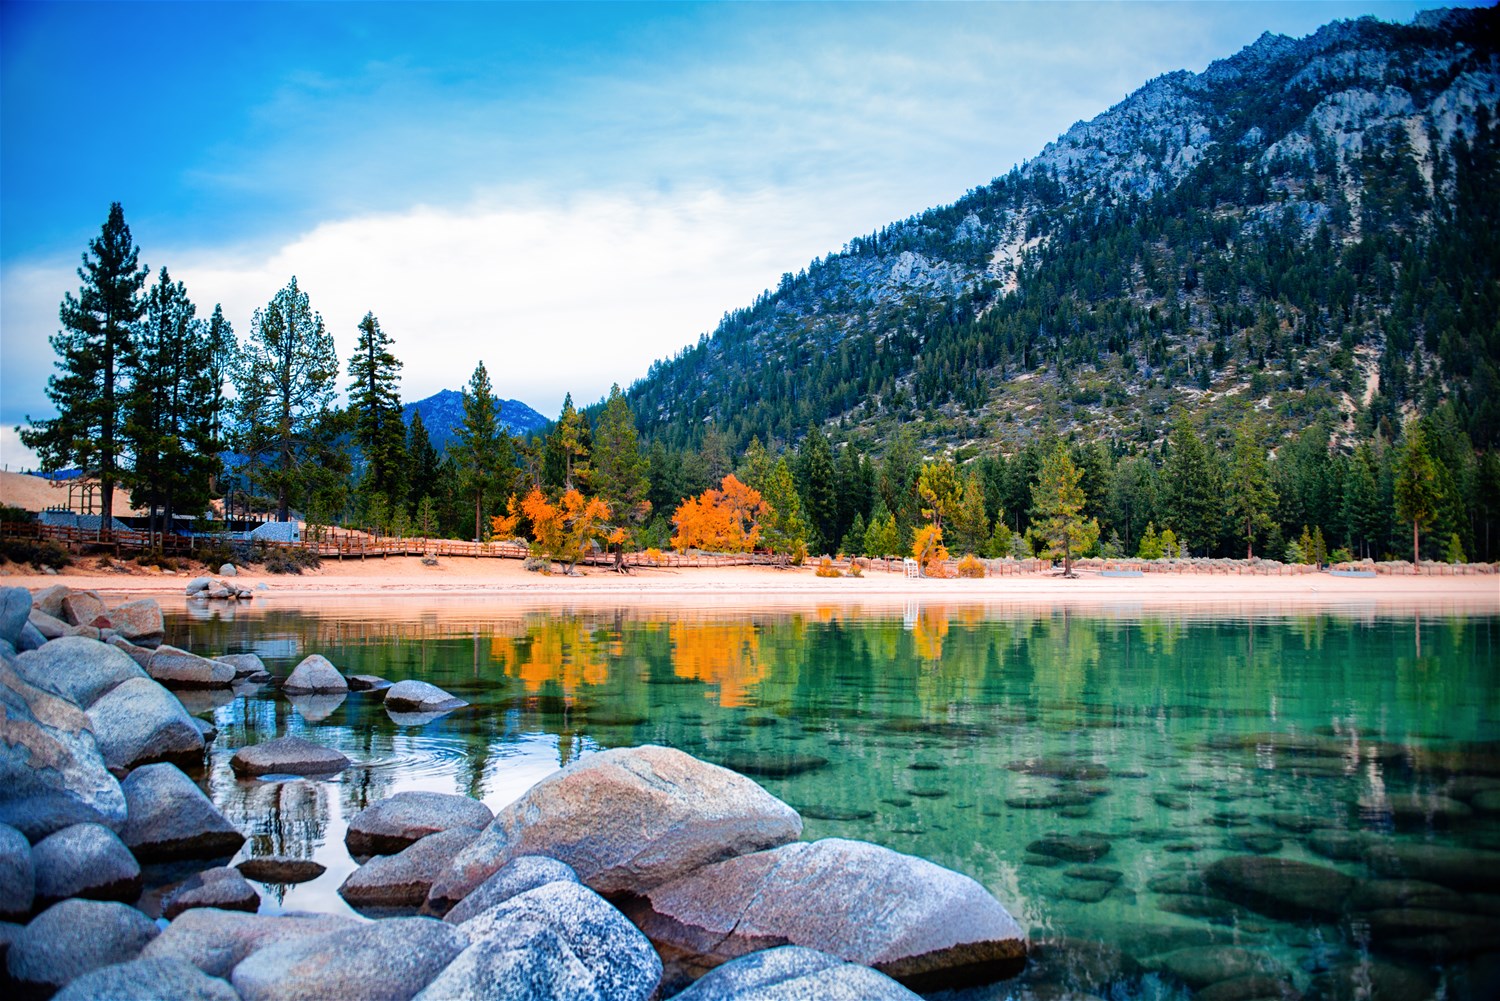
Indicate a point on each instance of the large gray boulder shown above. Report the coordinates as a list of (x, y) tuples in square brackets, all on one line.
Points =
[(15, 609), (31, 638), (138, 722), (85, 860), (287, 756), (50, 626), (17, 875), (402, 880), (71, 938), (51, 772), (420, 697), (216, 941), (793, 973), (513, 878), (924, 925), (140, 654), (1280, 887), (315, 676), (221, 887), (181, 669), (170, 818), (139, 621), (626, 820), (404, 818), (246, 665), (148, 980), (387, 960), (84, 608), (1459, 867), (77, 669), (49, 600), (581, 942)]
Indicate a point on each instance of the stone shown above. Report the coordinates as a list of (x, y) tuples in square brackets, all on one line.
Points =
[(140, 654), (140, 621), (198, 585), (526, 872), (246, 665), (280, 869), (1194, 905), (1370, 980), (367, 683), (15, 610), (420, 697), (1486, 802), (74, 937), (49, 626), (138, 722), (49, 600), (1093, 873), (170, 818), (1086, 892), (388, 960), (1071, 847), (31, 638), (1204, 965), (1061, 768), (924, 925), (400, 820), (1381, 894), (627, 819), (17, 875), (85, 860), (1257, 844), (617, 960), (773, 765), (1250, 987), (403, 880), (220, 887), (83, 608), (1341, 846), (181, 669), (1049, 800), (315, 676), (287, 755), (1281, 888), (1420, 811), (229, 570), (50, 766), (216, 941), (1467, 869), (148, 980), (793, 973), (77, 669)]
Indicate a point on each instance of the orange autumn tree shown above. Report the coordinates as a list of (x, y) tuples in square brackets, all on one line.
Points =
[(725, 520), (560, 532)]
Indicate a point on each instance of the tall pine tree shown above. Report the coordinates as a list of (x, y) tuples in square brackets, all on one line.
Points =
[(375, 413), (482, 452), (619, 468), (818, 483), (1249, 496), (94, 349), (1191, 489), (1418, 497)]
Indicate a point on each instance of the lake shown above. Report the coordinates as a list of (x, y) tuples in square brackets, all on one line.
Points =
[(1085, 766)]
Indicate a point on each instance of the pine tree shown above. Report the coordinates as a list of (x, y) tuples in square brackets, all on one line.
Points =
[(94, 350), (1418, 499), (882, 538), (1190, 484), (783, 529), (818, 485), (619, 468), (285, 378), (1250, 499), (969, 526), (940, 491), (1361, 502), (853, 543), (375, 411), (1057, 509), (222, 350), (853, 490), (423, 469), (898, 480), (566, 463), (171, 407), (482, 451)]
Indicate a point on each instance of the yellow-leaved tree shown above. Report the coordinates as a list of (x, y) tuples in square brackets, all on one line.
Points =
[(562, 532), (930, 553), (723, 520)]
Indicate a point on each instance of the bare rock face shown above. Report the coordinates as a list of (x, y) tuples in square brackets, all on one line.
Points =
[(315, 676), (290, 755), (85, 860), (626, 820), (50, 766), (171, 818), (923, 925), (180, 669), (400, 820), (791, 973)]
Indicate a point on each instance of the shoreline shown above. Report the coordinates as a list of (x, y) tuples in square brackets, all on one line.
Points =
[(740, 587)]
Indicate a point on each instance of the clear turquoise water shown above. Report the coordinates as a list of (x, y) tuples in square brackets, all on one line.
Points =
[(931, 730)]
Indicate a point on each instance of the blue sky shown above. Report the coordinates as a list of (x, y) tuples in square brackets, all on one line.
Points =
[(566, 191)]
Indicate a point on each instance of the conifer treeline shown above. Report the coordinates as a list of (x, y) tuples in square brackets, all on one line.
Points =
[(142, 400)]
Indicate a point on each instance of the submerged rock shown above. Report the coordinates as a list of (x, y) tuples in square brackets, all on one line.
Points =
[(1468, 869), (1061, 768), (626, 819), (85, 860), (772, 766), (400, 820), (287, 755), (1071, 847), (74, 937), (924, 925), (1205, 965), (390, 959), (1281, 888), (367, 683)]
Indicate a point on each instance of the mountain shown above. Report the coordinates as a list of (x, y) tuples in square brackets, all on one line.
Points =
[(1308, 227), (443, 412)]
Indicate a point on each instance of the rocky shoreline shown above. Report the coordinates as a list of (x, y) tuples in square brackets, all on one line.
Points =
[(632, 873)]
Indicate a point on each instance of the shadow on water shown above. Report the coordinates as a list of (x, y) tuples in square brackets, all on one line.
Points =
[(1285, 805)]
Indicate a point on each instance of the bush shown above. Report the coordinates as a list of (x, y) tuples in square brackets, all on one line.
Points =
[(286, 559), (537, 564), (827, 569), (155, 558), (654, 555), (38, 553), (970, 566), (857, 566)]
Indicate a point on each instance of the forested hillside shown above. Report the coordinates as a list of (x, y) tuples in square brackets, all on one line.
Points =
[(1306, 229)]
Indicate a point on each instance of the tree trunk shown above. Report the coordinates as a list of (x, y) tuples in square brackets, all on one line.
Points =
[(1416, 549)]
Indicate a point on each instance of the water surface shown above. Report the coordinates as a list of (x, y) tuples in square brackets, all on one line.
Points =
[(1084, 767)]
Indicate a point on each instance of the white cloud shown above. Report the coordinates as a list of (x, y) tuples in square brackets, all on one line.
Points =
[(553, 298), (15, 456)]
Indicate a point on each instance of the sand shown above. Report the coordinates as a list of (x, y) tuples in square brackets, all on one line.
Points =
[(731, 587), (35, 493)]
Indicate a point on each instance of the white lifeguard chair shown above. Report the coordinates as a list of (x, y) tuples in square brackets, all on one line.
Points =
[(912, 567)]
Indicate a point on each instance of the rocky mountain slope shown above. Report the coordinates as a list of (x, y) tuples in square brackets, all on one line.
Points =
[(443, 412), (1307, 228)]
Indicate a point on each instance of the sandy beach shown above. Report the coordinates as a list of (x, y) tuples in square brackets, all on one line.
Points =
[(399, 577)]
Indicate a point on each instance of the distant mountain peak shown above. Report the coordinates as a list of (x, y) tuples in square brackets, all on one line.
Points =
[(443, 412)]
